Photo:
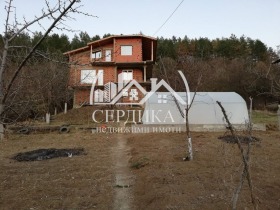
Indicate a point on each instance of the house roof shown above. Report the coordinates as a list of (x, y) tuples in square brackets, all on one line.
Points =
[(107, 40), (77, 50), (104, 40)]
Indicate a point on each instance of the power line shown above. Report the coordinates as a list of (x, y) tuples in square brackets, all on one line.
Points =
[(168, 17)]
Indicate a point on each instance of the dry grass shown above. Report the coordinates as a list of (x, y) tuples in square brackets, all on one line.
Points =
[(79, 182), (264, 117), (208, 182), (162, 179)]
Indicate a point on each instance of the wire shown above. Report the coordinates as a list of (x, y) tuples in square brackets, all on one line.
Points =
[(168, 18)]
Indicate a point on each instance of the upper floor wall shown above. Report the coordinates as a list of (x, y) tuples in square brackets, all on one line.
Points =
[(128, 50), (116, 49)]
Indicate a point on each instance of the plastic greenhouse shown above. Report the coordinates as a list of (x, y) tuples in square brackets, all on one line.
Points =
[(161, 108)]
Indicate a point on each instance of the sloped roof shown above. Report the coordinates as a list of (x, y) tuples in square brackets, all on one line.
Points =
[(104, 40), (77, 50), (107, 40)]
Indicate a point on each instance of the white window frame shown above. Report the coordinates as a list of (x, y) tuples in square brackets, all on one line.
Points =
[(100, 79), (96, 54), (108, 55), (126, 49), (87, 76), (125, 75)]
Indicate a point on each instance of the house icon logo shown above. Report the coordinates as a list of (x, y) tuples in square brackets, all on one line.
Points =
[(131, 90)]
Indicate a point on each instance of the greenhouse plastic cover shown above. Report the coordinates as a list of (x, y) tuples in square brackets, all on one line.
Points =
[(161, 108)]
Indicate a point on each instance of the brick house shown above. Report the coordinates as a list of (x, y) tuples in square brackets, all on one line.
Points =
[(128, 56)]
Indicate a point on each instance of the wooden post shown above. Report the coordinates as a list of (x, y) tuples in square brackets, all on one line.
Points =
[(2, 127), (145, 73), (55, 111), (278, 114), (250, 114), (65, 108), (152, 50), (2, 131), (48, 118)]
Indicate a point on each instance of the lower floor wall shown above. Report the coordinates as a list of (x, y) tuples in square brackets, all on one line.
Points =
[(131, 95), (81, 97)]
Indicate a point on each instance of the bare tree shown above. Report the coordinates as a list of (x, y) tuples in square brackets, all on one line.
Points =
[(40, 87), (166, 70), (56, 14), (245, 155), (188, 107)]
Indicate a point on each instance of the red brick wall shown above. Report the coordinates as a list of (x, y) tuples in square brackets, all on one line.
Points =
[(136, 44), (81, 57), (81, 96), (138, 75), (75, 69), (75, 74), (109, 74)]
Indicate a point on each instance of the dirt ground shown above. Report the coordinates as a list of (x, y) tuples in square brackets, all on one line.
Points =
[(143, 171)]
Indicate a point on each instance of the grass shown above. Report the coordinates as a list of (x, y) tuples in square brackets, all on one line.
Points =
[(264, 117)]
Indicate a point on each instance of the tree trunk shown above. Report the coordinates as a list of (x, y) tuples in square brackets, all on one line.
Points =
[(2, 67), (8, 38), (190, 151), (2, 128)]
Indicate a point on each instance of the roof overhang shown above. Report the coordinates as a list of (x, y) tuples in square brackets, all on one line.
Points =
[(107, 40)]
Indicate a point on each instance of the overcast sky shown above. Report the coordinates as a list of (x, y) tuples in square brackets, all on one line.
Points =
[(257, 19)]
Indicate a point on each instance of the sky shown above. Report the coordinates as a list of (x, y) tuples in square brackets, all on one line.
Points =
[(257, 19)]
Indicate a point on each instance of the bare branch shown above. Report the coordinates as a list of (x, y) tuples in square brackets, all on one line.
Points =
[(245, 158), (8, 9), (34, 48), (25, 26)]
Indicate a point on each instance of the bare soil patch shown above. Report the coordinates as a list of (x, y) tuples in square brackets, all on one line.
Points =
[(157, 176), (45, 154), (242, 139)]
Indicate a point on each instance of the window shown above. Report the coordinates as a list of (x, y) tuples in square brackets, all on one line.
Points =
[(108, 56), (96, 54), (100, 75), (87, 76), (127, 75), (126, 50)]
